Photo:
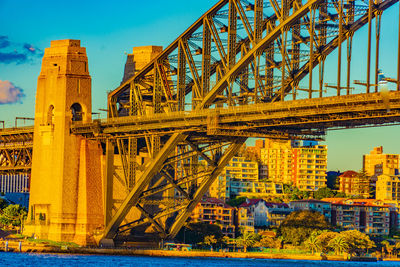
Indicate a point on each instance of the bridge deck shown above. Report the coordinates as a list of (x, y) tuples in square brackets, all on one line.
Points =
[(16, 131), (16, 145), (259, 119)]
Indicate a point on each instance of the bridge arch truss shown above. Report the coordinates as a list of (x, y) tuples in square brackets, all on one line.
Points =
[(241, 58)]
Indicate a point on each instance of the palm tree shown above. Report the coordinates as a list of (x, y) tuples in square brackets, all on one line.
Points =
[(266, 242), (339, 244), (389, 248), (210, 240), (397, 246), (312, 243), (224, 241), (247, 240)]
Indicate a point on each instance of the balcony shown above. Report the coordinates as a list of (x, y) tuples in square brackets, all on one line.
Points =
[(348, 219), (378, 225)]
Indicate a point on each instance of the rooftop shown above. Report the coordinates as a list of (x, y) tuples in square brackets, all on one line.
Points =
[(357, 202), (250, 202), (215, 201), (309, 201), (349, 174)]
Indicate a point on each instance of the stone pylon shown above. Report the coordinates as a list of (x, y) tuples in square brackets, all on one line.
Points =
[(66, 184)]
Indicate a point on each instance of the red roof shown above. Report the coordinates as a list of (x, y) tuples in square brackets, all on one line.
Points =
[(215, 201), (334, 199), (250, 202), (309, 201), (349, 174), (271, 204), (356, 202)]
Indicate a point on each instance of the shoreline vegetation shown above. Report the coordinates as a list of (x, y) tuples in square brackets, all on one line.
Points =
[(303, 235), (24, 246)]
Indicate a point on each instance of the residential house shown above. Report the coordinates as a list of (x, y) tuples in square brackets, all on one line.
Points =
[(215, 211), (322, 207)]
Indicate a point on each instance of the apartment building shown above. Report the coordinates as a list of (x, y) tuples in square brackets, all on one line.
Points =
[(277, 155), (354, 184), (245, 220), (388, 187), (377, 163), (266, 214), (256, 149), (240, 178), (258, 208), (301, 163), (215, 211), (277, 212), (309, 167), (366, 215), (238, 169)]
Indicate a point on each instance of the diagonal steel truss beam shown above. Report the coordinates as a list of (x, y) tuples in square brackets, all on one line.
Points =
[(230, 61), (141, 184)]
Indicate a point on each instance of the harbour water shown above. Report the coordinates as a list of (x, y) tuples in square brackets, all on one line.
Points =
[(22, 259)]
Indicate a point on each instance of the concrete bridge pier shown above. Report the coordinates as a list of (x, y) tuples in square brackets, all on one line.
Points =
[(66, 201)]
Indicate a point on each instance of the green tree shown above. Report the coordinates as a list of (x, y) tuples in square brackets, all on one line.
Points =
[(299, 225), (287, 189), (194, 233), (397, 246), (323, 192), (332, 180), (357, 241), (389, 248), (340, 194), (293, 193), (362, 187), (247, 240), (236, 202), (338, 244), (324, 240), (312, 243), (12, 215), (269, 242), (3, 203), (209, 240), (224, 241)]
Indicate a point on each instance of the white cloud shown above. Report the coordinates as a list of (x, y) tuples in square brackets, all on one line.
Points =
[(9, 93)]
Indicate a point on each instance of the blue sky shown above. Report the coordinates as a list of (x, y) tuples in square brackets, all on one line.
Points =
[(109, 29)]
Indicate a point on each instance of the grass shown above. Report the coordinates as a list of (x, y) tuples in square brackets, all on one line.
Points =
[(44, 241), (25, 238), (285, 251), (268, 250), (52, 243)]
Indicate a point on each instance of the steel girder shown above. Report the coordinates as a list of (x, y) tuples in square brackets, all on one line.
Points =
[(236, 54), (198, 58), (160, 193), (16, 150), (259, 120)]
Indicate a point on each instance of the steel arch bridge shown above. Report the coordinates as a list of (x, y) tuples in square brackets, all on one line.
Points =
[(235, 73)]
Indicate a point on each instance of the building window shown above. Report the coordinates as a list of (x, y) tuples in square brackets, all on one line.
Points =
[(50, 115), (76, 110)]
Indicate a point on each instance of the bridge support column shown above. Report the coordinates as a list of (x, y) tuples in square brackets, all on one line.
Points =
[(89, 217), (66, 176)]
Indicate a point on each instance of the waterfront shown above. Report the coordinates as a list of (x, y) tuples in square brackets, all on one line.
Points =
[(26, 259)]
